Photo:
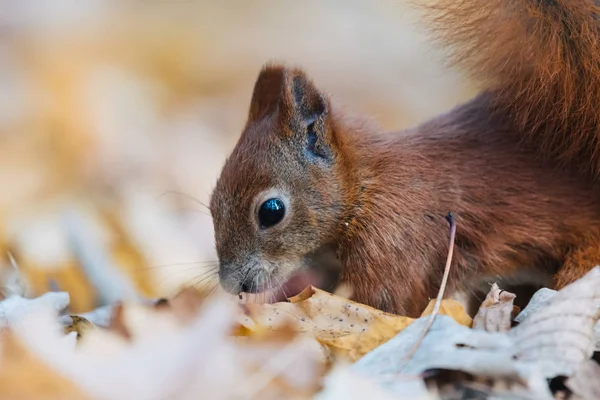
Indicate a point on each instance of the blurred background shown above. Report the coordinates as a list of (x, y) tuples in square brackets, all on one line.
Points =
[(116, 116)]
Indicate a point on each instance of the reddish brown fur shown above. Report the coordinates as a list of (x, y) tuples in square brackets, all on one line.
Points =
[(380, 199), (541, 60)]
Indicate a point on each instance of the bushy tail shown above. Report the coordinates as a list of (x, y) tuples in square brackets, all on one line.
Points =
[(540, 60)]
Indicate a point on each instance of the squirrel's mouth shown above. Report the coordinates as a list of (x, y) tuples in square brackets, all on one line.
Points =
[(295, 284), (321, 269)]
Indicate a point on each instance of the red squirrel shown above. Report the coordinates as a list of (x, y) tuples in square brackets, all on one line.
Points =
[(307, 188)]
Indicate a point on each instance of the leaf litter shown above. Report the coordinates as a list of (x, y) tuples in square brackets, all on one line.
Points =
[(315, 345)]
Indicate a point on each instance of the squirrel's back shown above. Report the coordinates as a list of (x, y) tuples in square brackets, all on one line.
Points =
[(540, 62)]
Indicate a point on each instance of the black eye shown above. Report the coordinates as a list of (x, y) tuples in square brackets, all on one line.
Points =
[(271, 212)]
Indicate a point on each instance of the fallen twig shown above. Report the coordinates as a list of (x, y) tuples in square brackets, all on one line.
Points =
[(440, 295)]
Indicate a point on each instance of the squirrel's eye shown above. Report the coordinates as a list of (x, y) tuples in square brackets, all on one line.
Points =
[(271, 212)]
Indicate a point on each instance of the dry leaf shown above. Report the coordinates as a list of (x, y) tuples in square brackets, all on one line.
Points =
[(451, 346), (539, 300), (101, 316), (451, 308), (447, 345), (343, 383), (457, 384), (176, 360), (175, 356), (78, 324), (495, 312), (560, 334), (179, 357), (282, 368), (554, 340), (14, 308), (24, 376), (187, 302), (347, 328), (117, 324), (585, 382)]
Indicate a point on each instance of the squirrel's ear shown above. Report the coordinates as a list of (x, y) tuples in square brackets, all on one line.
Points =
[(301, 101), (267, 92), (290, 92), (303, 108)]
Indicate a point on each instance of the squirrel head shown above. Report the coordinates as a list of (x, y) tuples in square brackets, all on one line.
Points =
[(278, 200)]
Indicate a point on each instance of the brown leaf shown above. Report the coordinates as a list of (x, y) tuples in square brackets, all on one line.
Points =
[(495, 313), (78, 324)]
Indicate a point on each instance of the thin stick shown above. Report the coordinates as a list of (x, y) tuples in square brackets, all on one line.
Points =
[(440, 295)]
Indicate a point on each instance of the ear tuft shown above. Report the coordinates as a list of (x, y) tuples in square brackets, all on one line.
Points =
[(309, 103)]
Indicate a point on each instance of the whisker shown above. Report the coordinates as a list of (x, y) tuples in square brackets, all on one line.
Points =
[(195, 211), (180, 264), (189, 197), (271, 291), (281, 286), (270, 294), (211, 271), (203, 278), (264, 295), (213, 290), (252, 286)]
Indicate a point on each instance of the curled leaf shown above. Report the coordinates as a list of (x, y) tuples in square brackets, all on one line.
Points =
[(495, 313)]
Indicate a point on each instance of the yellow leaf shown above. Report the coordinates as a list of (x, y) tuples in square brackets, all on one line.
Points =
[(347, 328), (451, 308)]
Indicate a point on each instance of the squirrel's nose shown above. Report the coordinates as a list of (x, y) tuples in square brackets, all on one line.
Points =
[(228, 282), (245, 287), (235, 279)]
